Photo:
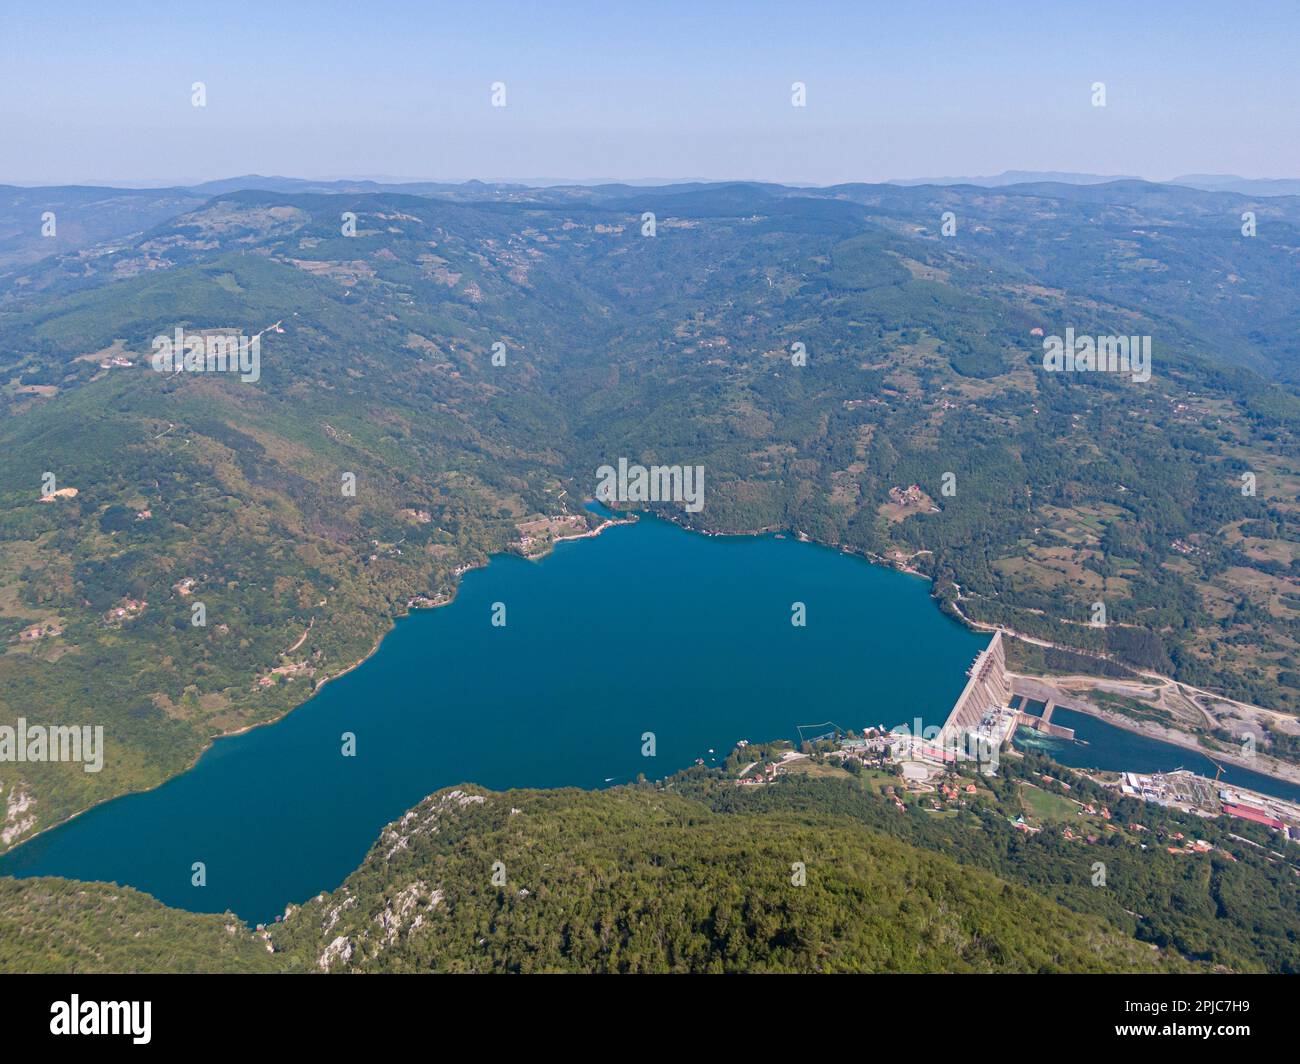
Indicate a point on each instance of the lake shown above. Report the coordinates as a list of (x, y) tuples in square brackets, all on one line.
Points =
[(645, 628)]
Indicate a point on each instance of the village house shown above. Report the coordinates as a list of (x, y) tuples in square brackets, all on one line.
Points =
[(39, 631)]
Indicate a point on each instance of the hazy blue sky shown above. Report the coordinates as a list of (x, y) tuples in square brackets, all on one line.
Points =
[(101, 91)]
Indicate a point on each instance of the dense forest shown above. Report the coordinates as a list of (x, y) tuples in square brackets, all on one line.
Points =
[(644, 880), (48, 926), (1237, 906), (696, 874)]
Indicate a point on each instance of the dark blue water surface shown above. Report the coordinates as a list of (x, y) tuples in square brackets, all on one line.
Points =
[(645, 628)]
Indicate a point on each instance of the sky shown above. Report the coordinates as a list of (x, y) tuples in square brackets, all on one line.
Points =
[(102, 92)]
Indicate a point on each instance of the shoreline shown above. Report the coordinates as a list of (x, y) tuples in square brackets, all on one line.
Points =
[(243, 730), (1185, 740), (189, 765), (609, 522), (1273, 768)]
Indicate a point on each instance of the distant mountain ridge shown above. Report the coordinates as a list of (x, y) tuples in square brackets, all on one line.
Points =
[(1246, 186)]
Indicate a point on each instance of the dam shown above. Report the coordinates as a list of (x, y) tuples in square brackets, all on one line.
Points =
[(987, 690), (988, 710)]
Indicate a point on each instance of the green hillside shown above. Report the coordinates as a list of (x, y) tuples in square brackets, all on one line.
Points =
[(377, 360), (641, 880), (62, 926)]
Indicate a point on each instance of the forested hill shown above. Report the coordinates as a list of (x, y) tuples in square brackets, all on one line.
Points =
[(698, 873), (626, 880), (51, 926), (641, 880), (472, 360), (819, 871)]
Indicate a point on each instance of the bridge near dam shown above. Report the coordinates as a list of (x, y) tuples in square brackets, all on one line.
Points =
[(1044, 723)]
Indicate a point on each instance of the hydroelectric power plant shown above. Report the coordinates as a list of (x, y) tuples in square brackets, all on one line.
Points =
[(982, 720)]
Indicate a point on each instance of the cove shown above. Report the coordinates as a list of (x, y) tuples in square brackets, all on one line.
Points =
[(644, 628)]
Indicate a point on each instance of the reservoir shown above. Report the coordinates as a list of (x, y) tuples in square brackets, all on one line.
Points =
[(645, 628)]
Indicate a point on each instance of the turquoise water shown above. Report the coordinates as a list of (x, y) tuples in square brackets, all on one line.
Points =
[(645, 628)]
